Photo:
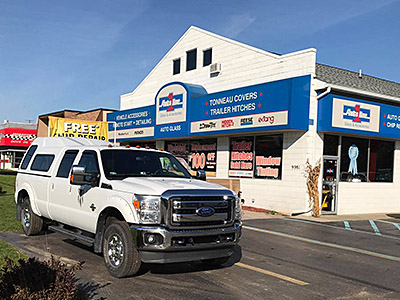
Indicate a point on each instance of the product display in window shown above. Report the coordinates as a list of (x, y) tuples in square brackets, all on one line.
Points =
[(268, 157), (241, 157)]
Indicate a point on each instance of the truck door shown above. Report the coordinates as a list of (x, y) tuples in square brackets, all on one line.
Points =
[(60, 189), (84, 204)]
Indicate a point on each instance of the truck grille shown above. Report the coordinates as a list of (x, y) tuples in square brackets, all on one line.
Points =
[(200, 211)]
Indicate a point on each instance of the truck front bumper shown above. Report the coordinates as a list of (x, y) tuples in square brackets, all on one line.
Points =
[(162, 245)]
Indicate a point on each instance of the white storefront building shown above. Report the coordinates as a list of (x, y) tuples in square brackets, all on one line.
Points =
[(252, 119)]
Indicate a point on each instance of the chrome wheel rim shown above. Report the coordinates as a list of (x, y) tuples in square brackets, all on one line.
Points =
[(26, 218), (115, 250)]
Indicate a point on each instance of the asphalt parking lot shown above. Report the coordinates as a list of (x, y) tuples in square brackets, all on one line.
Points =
[(280, 258)]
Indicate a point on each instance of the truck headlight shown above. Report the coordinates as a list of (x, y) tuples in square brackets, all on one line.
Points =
[(148, 208), (238, 209)]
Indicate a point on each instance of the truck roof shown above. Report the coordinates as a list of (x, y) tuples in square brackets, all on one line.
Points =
[(61, 142), (58, 144)]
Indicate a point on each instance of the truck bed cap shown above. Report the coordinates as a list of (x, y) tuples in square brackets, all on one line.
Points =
[(58, 142)]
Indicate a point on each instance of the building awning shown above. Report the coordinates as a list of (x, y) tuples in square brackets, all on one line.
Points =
[(184, 110), (357, 116)]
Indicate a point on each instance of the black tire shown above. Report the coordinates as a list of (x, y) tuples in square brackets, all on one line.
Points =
[(120, 254), (215, 262), (32, 224)]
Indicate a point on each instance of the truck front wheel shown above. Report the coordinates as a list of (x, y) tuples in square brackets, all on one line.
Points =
[(31, 223), (120, 254)]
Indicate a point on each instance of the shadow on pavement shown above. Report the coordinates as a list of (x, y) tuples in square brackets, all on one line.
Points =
[(396, 216), (190, 267), (172, 268), (92, 289)]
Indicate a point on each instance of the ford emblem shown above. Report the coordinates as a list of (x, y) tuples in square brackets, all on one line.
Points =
[(205, 211)]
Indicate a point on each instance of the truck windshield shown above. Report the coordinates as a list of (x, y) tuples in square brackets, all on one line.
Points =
[(120, 164)]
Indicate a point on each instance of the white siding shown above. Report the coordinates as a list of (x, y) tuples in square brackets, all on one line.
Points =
[(242, 65), (371, 197)]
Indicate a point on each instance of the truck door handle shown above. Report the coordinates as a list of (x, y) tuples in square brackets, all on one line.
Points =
[(52, 186)]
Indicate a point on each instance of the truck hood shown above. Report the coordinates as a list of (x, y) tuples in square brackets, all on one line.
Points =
[(157, 185)]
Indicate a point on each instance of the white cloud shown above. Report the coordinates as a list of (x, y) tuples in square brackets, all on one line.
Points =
[(237, 24)]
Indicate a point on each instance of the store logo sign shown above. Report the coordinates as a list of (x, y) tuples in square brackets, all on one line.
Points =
[(171, 104), (207, 125), (356, 113), (267, 119), (227, 123), (246, 121)]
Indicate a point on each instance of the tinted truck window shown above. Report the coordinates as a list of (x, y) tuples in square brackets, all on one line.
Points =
[(42, 162), (89, 160), (66, 163), (28, 157)]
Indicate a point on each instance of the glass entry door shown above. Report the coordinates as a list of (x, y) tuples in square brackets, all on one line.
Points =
[(329, 184)]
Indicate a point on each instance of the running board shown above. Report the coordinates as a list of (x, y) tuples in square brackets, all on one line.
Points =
[(75, 235)]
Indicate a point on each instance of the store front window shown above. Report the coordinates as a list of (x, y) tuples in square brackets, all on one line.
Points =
[(362, 160), (196, 155), (381, 161), (258, 157), (354, 159), (331, 144), (203, 156), (241, 156), (268, 157)]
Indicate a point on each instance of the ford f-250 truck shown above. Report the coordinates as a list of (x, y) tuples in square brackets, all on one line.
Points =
[(132, 204)]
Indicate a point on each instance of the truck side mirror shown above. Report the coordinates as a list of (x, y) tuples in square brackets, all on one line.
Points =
[(79, 176), (201, 175)]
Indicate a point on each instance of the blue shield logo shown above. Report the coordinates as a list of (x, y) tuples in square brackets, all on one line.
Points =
[(205, 211)]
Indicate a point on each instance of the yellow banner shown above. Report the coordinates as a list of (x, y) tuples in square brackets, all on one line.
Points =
[(78, 128)]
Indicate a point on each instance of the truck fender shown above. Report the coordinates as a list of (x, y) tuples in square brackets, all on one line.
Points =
[(120, 210), (26, 188)]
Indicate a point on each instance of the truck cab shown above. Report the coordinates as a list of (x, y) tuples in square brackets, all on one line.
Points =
[(132, 204)]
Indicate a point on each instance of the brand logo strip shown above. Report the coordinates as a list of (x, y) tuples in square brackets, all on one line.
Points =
[(132, 133), (251, 121)]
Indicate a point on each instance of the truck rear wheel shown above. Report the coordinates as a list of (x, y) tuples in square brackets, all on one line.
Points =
[(31, 223), (120, 254)]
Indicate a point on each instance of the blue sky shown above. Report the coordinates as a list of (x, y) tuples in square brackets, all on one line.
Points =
[(84, 54)]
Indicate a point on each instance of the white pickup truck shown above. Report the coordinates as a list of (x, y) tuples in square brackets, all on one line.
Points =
[(132, 204)]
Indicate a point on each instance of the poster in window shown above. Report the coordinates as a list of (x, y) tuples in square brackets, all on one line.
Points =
[(241, 157), (180, 149), (268, 157), (203, 156)]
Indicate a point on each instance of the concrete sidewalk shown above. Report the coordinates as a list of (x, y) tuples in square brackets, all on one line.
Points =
[(251, 215), (393, 217), (338, 218)]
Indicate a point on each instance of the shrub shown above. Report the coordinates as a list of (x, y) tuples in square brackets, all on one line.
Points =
[(33, 280)]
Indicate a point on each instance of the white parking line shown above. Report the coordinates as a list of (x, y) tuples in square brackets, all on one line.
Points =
[(347, 225), (311, 241), (340, 228), (374, 227), (387, 222)]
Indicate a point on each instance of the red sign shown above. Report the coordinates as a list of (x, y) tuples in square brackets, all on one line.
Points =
[(18, 137)]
